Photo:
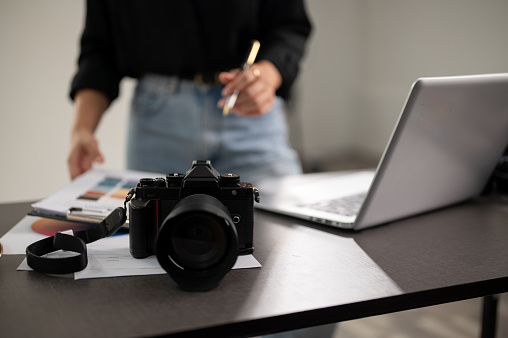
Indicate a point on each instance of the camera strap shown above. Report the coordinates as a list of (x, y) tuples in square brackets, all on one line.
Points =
[(35, 252)]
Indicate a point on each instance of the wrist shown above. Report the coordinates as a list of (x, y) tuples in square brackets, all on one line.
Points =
[(89, 108), (81, 131), (269, 73)]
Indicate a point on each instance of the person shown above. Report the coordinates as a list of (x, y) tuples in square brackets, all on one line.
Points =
[(186, 57)]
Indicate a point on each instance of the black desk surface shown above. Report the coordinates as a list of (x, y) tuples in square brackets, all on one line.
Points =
[(449, 255)]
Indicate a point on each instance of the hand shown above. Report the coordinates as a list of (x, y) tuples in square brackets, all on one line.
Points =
[(84, 152), (89, 107), (257, 86)]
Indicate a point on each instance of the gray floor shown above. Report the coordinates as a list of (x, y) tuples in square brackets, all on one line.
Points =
[(452, 320)]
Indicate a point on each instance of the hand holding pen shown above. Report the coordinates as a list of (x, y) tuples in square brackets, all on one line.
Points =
[(250, 91), (231, 100)]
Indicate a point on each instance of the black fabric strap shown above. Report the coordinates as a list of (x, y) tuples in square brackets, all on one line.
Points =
[(106, 228), (35, 252)]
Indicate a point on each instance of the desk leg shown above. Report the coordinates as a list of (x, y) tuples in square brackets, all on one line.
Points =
[(489, 316)]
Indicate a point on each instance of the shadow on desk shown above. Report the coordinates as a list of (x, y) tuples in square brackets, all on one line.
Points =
[(417, 251)]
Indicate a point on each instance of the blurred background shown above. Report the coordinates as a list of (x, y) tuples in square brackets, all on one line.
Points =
[(362, 59)]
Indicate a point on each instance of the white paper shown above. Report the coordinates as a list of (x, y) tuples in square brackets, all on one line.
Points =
[(107, 257), (20, 236), (108, 189)]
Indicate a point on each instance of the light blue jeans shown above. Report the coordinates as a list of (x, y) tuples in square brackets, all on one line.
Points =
[(174, 122)]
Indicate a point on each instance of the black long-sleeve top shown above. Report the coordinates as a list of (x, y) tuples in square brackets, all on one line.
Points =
[(183, 37)]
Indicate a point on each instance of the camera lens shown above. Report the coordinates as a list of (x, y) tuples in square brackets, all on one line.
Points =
[(197, 243)]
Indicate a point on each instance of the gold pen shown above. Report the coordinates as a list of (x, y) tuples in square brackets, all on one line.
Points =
[(230, 102)]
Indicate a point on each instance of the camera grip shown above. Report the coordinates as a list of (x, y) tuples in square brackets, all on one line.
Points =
[(143, 226)]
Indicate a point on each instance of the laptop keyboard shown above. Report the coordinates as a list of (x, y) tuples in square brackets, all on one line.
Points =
[(347, 205)]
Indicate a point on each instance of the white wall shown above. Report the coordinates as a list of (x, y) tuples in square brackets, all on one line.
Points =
[(404, 40), (365, 54), (325, 94), (362, 59), (38, 54)]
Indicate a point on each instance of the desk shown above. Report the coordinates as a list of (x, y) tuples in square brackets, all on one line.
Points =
[(449, 255)]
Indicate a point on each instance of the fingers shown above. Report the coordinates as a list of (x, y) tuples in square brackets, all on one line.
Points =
[(227, 77), (240, 80), (83, 154), (255, 100), (81, 162), (247, 106), (255, 97)]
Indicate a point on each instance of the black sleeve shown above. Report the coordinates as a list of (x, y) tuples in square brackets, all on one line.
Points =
[(96, 64), (285, 28)]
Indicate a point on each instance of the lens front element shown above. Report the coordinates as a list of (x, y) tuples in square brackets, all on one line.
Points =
[(197, 243)]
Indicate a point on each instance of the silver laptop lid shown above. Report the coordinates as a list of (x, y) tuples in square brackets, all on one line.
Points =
[(449, 136)]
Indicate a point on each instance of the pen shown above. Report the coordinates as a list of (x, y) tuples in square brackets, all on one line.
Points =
[(87, 215), (230, 102)]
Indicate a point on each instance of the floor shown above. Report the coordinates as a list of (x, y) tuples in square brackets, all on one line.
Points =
[(452, 320)]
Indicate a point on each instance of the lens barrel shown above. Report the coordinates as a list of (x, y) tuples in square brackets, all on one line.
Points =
[(197, 243)]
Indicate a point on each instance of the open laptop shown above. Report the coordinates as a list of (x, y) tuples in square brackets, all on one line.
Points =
[(445, 145)]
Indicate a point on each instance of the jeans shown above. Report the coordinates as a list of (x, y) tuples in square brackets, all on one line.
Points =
[(173, 122)]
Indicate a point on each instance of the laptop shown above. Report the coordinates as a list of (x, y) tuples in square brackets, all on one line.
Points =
[(444, 147)]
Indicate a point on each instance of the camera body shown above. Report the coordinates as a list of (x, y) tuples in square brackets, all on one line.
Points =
[(200, 220)]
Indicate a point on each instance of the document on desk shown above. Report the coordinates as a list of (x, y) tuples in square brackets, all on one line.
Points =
[(95, 193), (107, 257)]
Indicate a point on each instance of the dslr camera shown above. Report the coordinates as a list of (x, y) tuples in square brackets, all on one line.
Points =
[(196, 223)]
